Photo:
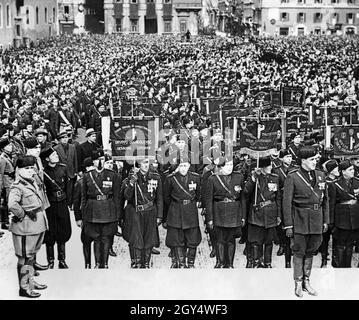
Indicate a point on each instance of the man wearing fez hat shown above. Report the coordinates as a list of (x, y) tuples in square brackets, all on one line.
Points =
[(7, 176), (344, 213), (282, 170), (263, 214), (85, 239), (58, 215), (181, 194), (224, 212), (68, 156), (295, 145), (145, 211), (100, 205), (28, 224), (306, 215), (86, 148)]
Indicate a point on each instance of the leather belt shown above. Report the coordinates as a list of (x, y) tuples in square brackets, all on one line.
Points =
[(353, 201), (146, 206), (101, 197), (315, 206), (58, 194), (226, 200), (265, 203), (185, 202)]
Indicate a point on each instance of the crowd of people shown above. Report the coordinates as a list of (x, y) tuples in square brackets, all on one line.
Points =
[(51, 91)]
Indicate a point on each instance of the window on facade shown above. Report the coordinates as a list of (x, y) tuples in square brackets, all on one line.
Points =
[(284, 16), (168, 26), (119, 25), (301, 17), (350, 18), (133, 1), (134, 25), (318, 1), (183, 26), (301, 1), (118, 1), (37, 15), (284, 1), (53, 14), (45, 14), (318, 17), (66, 9), (335, 18), (351, 1), (8, 18), (167, 1), (335, 1), (18, 30), (150, 1), (317, 31), (300, 31), (27, 16)]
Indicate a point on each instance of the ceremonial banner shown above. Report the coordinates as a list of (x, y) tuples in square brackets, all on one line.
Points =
[(297, 120), (317, 115), (342, 115), (276, 98), (292, 96), (258, 139), (346, 141), (132, 139)]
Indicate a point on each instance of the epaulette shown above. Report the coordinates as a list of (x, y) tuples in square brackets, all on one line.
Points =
[(274, 166)]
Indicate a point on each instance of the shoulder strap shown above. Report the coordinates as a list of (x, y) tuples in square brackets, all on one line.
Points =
[(224, 186), (341, 188), (307, 184), (181, 187), (281, 170), (52, 181), (95, 184)]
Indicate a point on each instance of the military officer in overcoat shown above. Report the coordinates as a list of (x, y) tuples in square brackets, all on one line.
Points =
[(344, 213), (306, 215), (144, 210), (58, 215), (182, 191), (224, 210), (28, 224), (100, 206), (264, 213)]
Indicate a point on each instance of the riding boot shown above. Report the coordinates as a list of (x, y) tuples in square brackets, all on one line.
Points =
[(287, 255), (138, 258), (180, 257), (61, 256), (34, 284), (298, 275), (25, 273), (356, 248), (340, 256), (212, 238), (348, 256), (249, 255), (231, 250), (105, 251), (86, 248), (132, 256), (268, 248), (173, 256), (217, 256), (324, 261), (191, 257), (39, 267), (147, 259), (97, 252), (281, 250), (50, 255), (257, 256), (307, 268), (221, 257), (226, 256)]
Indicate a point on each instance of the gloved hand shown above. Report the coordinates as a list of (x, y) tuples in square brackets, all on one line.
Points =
[(210, 225), (159, 221), (289, 232), (325, 227), (32, 215), (133, 179), (243, 222)]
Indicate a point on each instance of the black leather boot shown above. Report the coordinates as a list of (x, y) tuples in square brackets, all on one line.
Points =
[(298, 275), (39, 267), (340, 256), (97, 252), (112, 253), (307, 268), (324, 261), (105, 251), (217, 256), (257, 263), (231, 250), (61, 256), (25, 274), (268, 248), (221, 256), (86, 249), (191, 257), (35, 285), (249, 256), (287, 255), (180, 257), (132, 256), (155, 251), (174, 261), (348, 254), (147, 259), (50, 256), (138, 258), (280, 251)]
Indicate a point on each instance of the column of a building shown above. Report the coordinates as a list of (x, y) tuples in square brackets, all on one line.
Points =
[(126, 24), (160, 21), (108, 16), (141, 16)]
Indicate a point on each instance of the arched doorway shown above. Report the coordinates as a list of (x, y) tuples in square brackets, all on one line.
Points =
[(94, 16)]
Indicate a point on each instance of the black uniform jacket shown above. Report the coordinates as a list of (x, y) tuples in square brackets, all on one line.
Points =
[(305, 209), (177, 190), (344, 216), (224, 214)]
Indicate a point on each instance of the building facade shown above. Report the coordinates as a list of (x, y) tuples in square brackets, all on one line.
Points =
[(71, 17), (152, 16), (26, 21), (305, 17)]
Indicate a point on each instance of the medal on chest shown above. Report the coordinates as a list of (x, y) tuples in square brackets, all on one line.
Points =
[(107, 183), (272, 186), (152, 185), (321, 185), (192, 186), (237, 188)]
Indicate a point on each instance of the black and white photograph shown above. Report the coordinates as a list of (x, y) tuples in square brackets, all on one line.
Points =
[(179, 150)]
